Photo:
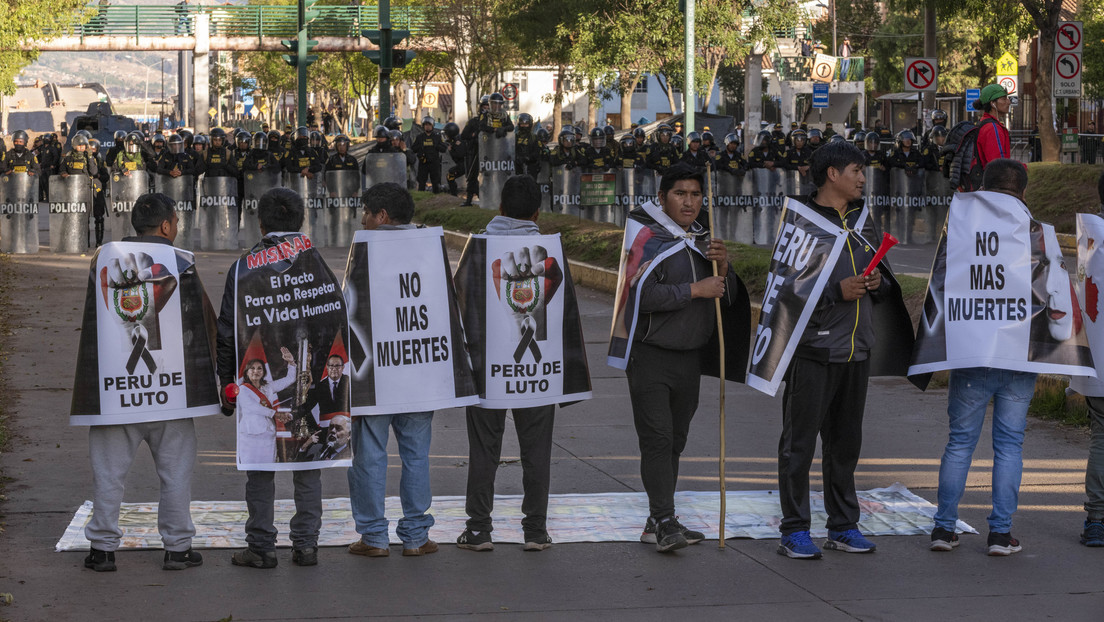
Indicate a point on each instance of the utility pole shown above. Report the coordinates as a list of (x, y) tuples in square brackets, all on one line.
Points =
[(929, 46), (300, 56), (387, 57), (689, 99)]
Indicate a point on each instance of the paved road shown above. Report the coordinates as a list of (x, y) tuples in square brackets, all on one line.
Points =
[(595, 451)]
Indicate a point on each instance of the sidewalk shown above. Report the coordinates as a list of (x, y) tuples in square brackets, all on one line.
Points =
[(595, 451)]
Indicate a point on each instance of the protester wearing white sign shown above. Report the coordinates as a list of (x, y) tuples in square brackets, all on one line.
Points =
[(154, 291)]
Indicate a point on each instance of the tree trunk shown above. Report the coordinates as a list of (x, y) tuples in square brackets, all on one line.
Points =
[(712, 81), (669, 92), (1044, 83), (557, 102), (626, 101)]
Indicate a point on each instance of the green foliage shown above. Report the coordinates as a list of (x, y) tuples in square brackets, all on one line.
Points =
[(859, 21), (23, 20), (1092, 72), (1075, 184), (1051, 402)]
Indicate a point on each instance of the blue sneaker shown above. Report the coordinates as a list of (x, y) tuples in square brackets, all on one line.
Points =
[(850, 541), (1093, 534), (798, 545)]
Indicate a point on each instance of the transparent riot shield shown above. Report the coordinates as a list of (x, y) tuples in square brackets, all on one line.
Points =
[(70, 207), (19, 213), (877, 197), (908, 190), (797, 185), (767, 204), (181, 190), (733, 212), (313, 192), (125, 190), (381, 167), (598, 197), (565, 189), (496, 165), (634, 188), (342, 206), (256, 184), (544, 181), (939, 193), (218, 213)]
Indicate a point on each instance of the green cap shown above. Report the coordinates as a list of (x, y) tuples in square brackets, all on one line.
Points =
[(992, 92)]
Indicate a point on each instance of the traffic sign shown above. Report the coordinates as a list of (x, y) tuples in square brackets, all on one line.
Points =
[(820, 95), (1008, 65), (920, 74), (824, 68), (972, 95), (1067, 75), (510, 94), (1068, 39), (431, 96), (1010, 84)]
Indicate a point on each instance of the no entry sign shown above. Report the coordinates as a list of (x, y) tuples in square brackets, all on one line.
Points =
[(920, 74)]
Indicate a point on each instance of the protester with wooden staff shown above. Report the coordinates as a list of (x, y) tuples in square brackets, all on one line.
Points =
[(721, 345)]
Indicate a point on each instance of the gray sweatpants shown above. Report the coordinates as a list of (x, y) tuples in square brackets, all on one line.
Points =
[(111, 449), (260, 499), (1094, 470)]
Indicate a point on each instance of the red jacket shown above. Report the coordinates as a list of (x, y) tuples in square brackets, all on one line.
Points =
[(993, 141)]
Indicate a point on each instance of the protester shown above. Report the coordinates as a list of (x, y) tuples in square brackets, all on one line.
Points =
[(826, 382), (388, 206), (970, 390), (993, 141)]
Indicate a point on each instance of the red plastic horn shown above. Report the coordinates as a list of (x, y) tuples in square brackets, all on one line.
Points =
[(888, 241)]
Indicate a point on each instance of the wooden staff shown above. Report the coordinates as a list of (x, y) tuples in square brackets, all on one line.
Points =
[(721, 341)]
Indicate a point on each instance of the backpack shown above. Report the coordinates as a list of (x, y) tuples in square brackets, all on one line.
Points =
[(961, 145)]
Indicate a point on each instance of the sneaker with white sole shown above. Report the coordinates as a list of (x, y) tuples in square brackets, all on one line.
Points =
[(798, 545), (849, 541), (1002, 544), (943, 539), (669, 535), (475, 541), (537, 542), (648, 536)]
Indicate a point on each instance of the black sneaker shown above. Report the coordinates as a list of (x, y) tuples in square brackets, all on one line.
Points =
[(669, 535), (474, 541), (305, 557), (1093, 535), (100, 561), (179, 560), (1001, 544), (943, 539), (648, 536), (254, 559), (537, 542)]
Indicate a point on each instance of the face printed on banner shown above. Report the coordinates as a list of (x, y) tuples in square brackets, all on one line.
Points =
[(339, 431), (334, 368), (682, 202), (255, 373), (1059, 289)]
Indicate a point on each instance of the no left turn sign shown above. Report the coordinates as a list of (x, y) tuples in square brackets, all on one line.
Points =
[(920, 74), (1069, 37)]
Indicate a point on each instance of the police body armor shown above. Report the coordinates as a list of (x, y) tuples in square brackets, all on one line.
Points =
[(496, 165), (255, 183), (125, 190), (566, 184), (766, 188), (218, 213), (182, 190), (342, 206), (19, 213), (877, 199), (381, 167), (70, 207)]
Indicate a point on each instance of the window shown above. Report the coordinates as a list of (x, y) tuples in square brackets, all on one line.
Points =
[(642, 85), (556, 82), (522, 79)]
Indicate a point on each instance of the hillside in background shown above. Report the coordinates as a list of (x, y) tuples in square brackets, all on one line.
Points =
[(124, 74)]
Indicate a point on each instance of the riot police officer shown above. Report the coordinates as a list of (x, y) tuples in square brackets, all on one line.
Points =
[(696, 156), (275, 143), (218, 161), (566, 153), (495, 120), (629, 156), (260, 158), (764, 154), (797, 156), (175, 161), (19, 159), (457, 150), (398, 145), (428, 147), (341, 160), (198, 150), (731, 160), (816, 139), (131, 157), (159, 147), (936, 158), (662, 154), (873, 153), (117, 145), (78, 161), (828, 131), (640, 137), (859, 139), (382, 137), (470, 136), (939, 119), (596, 156), (527, 149), (99, 189), (709, 144), (300, 158), (779, 138), (241, 150), (906, 155), (318, 144), (611, 142)]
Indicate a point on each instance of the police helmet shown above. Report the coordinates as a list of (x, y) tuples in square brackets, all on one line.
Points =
[(693, 137), (94, 145), (133, 142), (394, 135), (676, 142), (707, 137), (939, 135), (176, 143), (380, 132), (79, 140), (904, 135), (274, 137), (730, 138), (815, 136), (597, 138), (799, 134), (859, 137), (525, 120), (120, 136), (341, 140), (243, 138), (664, 131), (316, 138), (578, 131), (186, 135), (484, 100), (939, 117), (430, 120), (302, 132), (84, 133), (260, 141), (543, 135), (628, 143), (639, 133), (496, 100), (872, 141), (837, 138), (608, 131), (21, 135), (200, 141), (763, 138), (567, 137), (392, 123), (452, 130), (218, 132), (159, 141)]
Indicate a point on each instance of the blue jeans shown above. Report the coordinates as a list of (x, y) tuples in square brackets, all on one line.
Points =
[(368, 477), (970, 392)]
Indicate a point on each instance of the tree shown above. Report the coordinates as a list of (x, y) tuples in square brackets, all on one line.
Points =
[(28, 20), (470, 32), (1045, 15), (363, 78), (858, 20), (1092, 72), (274, 78), (426, 67)]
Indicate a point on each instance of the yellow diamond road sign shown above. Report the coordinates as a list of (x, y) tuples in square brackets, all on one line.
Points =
[(1008, 65)]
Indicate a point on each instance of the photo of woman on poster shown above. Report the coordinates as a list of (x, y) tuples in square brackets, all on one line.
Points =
[(257, 409)]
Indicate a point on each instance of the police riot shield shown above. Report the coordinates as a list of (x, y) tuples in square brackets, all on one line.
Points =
[(313, 192), (496, 165), (939, 193), (218, 213), (182, 190), (342, 206), (733, 210), (70, 207), (256, 183), (907, 189), (877, 197), (565, 189), (631, 191), (381, 167), (19, 213), (125, 190), (544, 182), (797, 185), (767, 203)]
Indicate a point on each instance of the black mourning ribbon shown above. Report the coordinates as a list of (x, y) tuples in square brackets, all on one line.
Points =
[(527, 341), (140, 352)]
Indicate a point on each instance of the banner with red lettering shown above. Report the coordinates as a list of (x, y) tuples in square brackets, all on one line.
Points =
[(146, 349)]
